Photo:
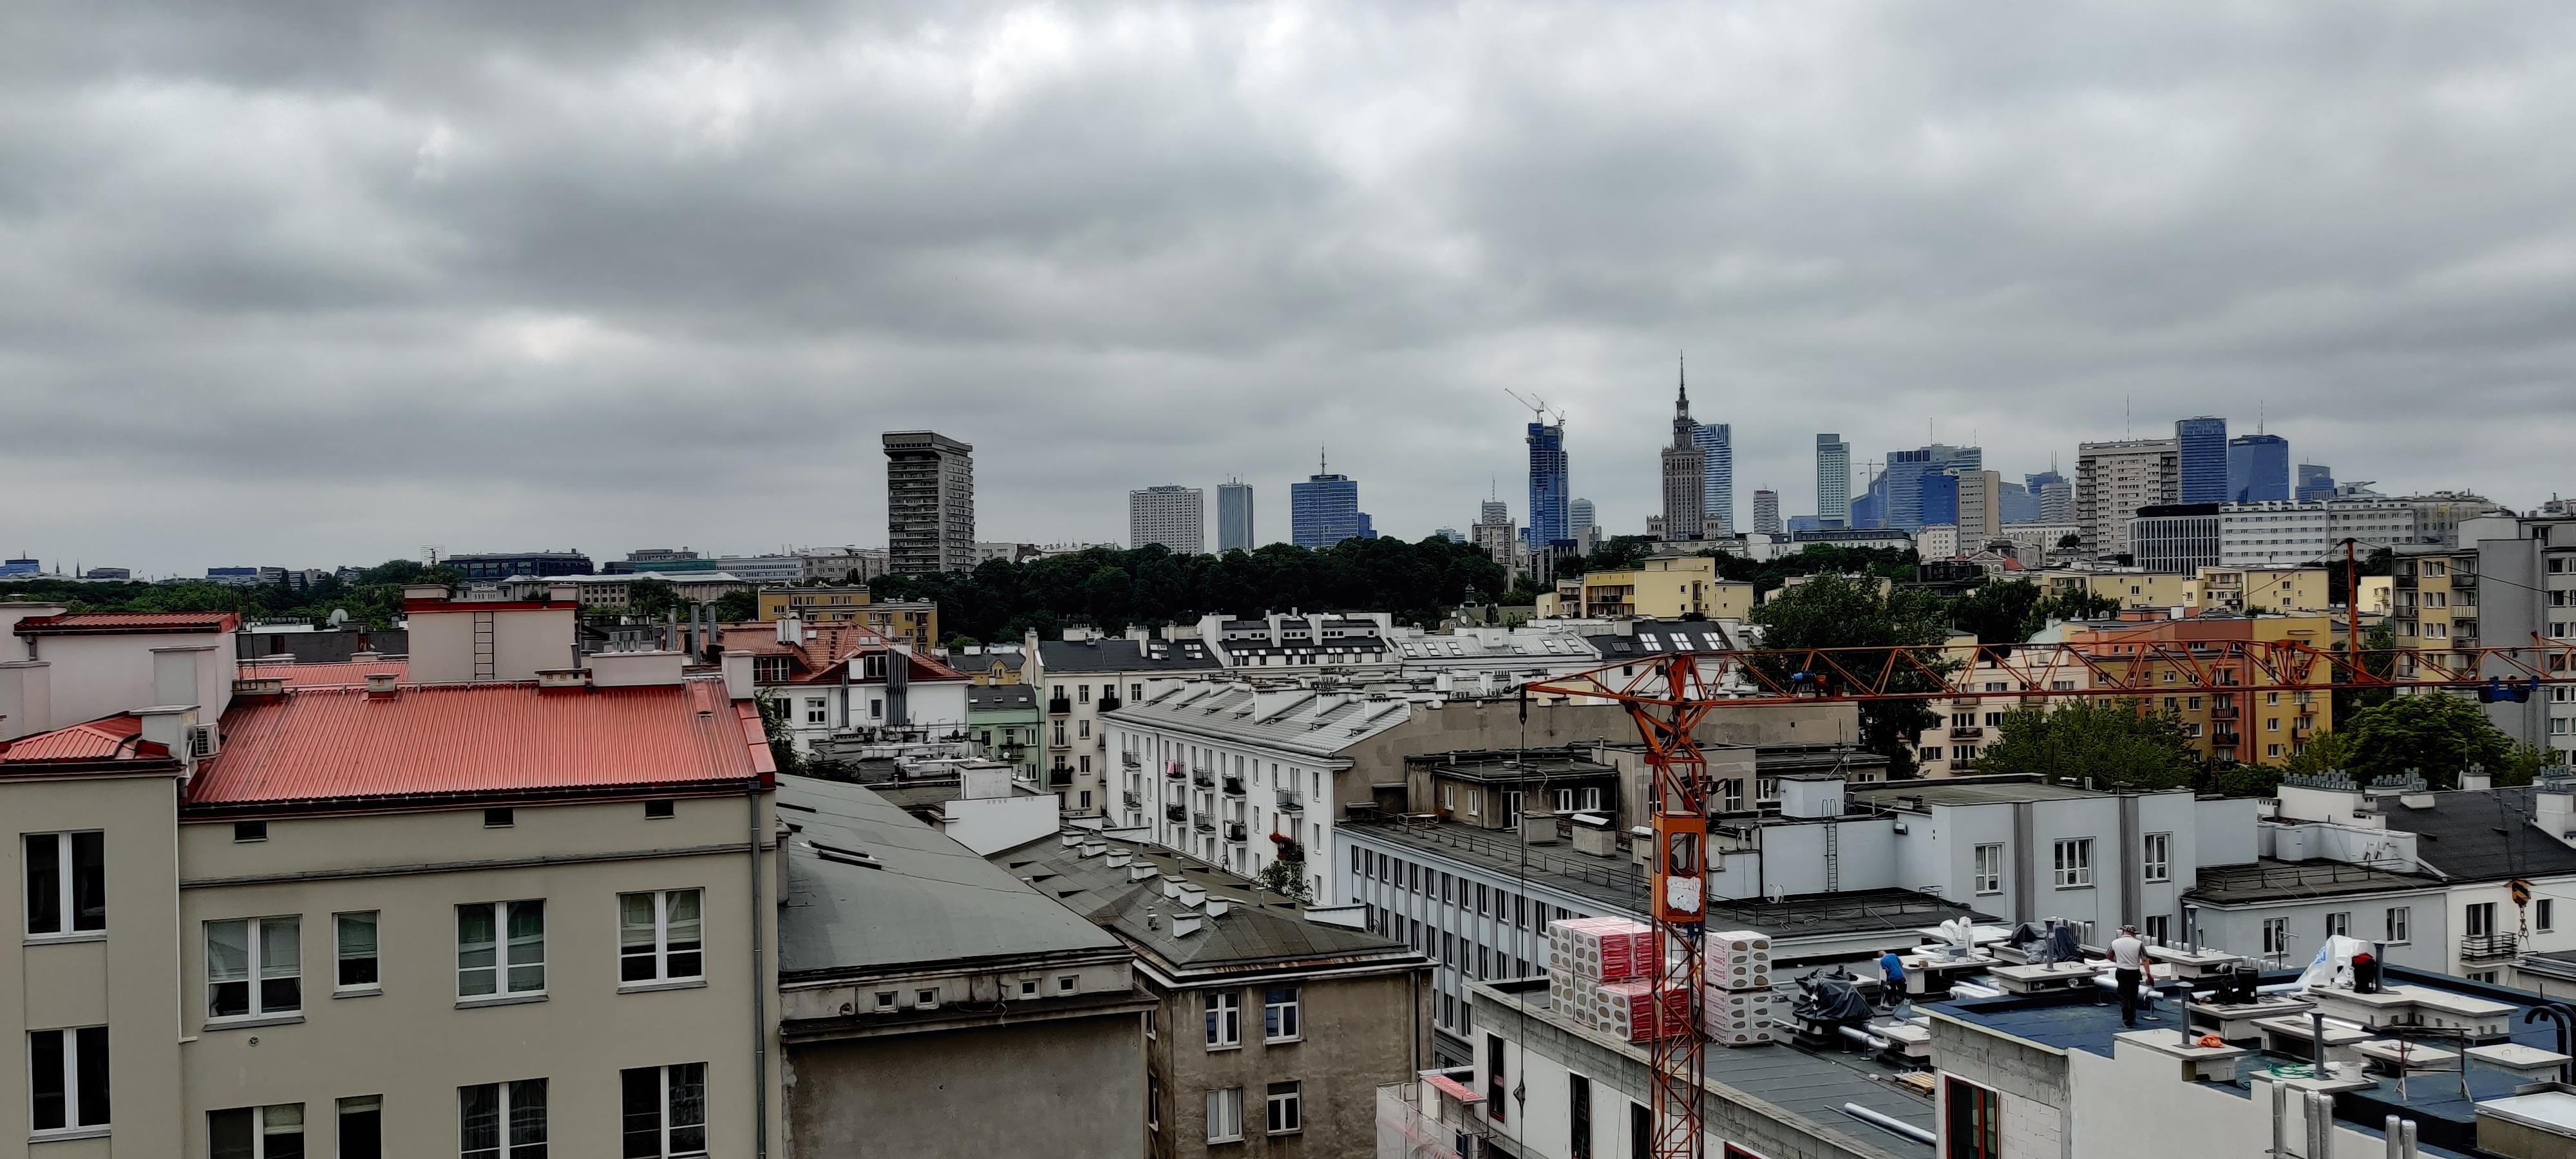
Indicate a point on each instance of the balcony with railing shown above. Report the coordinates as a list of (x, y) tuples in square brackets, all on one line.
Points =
[(1291, 801), (1204, 823), (2225, 740), (1233, 786), (1110, 703), (1176, 814), (1056, 742), (2223, 712), (1175, 770), (1059, 706), (1132, 760), (1234, 832), (1060, 777), (1134, 799), (2489, 947), (1203, 778), (1966, 731)]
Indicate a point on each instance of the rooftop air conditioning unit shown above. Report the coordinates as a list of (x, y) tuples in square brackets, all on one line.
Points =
[(204, 740)]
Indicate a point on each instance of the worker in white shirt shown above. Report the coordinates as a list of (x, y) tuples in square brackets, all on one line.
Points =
[(2129, 967)]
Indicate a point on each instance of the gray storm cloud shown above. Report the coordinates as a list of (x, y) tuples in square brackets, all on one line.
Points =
[(298, 285)]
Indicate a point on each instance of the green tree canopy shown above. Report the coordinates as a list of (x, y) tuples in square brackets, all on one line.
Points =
[(2110, 741), (1833, 611), (2435, 733)]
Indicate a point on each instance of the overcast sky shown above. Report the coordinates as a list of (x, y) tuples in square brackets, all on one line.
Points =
[(306, 284)]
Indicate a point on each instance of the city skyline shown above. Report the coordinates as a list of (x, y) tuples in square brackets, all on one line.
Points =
[(599, 296)]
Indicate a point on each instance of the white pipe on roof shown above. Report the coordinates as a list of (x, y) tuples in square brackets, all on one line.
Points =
[(1892, 1125)]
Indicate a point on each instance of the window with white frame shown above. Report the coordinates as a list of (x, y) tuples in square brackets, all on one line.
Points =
[(664, 1111), (501, 949), (67, 1080), (2074, 863), (658, 937), (2276, 936), (501, 1120), (1224, 1019), (362, 1127), (2400, 925), (2339, 924), (254, 967), (353, 947), (1287, 1109), (1282, 1015), (1990, 869), (272, 1132), (2543, 916), (2156, 858), (1225, 1115), (66, 883)]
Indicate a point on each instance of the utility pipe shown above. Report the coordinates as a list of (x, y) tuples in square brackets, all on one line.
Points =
[(1864, 1038), (1891, 1125), (759, 981)]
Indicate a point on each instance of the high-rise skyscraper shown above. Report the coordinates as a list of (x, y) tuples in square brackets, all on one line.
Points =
[(1766, 511), (1171, 515), (1981, 507), (1717, 500), (930, 503), (1584, 524), (1905, 476), (1685, 475), (1937, 499), (1833, 481), (2202, 444), (1548, 485), (1234, 516), (2113, 480), (2258, 469), (2316, 482), (1325, 510), (2056, 496), (2018, 505)]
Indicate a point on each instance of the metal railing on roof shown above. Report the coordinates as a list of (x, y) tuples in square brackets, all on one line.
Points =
[(1626, 876)]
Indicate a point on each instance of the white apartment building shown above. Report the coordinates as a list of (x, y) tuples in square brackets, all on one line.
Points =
[(1937, 541), (1307, 641), (337, 909), (1171, 515), (839, 679), (1085, 675), (2288, 534), (2113, 480)]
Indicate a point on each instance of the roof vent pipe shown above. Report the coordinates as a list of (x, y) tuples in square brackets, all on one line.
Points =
[(380, 685)]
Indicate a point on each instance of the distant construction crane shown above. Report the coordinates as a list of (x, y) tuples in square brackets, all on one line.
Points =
[(1539, 410)]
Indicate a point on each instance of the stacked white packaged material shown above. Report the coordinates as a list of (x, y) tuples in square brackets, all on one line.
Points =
[(1738, 1006)]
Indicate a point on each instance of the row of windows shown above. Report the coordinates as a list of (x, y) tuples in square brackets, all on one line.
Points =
[(1282, 1017), (662, 1110), (1283, 1112), (2071, 863), (2398, 926), (255, 966)]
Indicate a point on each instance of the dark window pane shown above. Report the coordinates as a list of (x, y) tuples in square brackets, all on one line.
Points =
[(688, 1108), (478, 1127), (281, 994), (45, 1054), (44, 884), (635, 965), (640, 1095), (684, 963), (228, 1133), (362, 1133), (282, 1144), (89, 881), (528, 1119), (357, 971), (93, 1075), (230, 998)]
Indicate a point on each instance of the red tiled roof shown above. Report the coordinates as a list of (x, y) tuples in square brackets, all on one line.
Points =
[(113, 738), (338, 747), (328, 674), (116, 623), (818, 657)]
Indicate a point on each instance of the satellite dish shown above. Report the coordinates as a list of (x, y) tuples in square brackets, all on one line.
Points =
[(339, 616)]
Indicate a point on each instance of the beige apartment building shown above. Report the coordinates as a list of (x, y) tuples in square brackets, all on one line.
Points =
[(1666, 587), (2276, 589), (478, 907)]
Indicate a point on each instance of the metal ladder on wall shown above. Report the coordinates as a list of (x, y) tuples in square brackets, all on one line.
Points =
[(484, 669), (1833, 857)]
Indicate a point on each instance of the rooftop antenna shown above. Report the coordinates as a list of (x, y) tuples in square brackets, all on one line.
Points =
[(1320, 467)]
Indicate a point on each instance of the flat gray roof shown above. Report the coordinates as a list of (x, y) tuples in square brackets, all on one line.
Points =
[(1971, 791), (933, 901)]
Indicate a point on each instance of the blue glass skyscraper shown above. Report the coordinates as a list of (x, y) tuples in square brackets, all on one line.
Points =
[(1901, 503), (1717, 498), (1325, 510), (1940, 498), (2258, 469), (1549, 490), (2315, 482), (2202, 443)]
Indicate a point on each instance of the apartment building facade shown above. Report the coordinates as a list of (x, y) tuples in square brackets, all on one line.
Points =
[(2114, 479), (1084, 676), (1662, 587), (837, 679), (930, 503), (556, 935), (1273, 1024), (2183, 658), (2521, 592), (1171, 515)]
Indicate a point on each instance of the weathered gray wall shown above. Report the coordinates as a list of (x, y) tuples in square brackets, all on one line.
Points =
[(1072, 1087), (1359, 1034)]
